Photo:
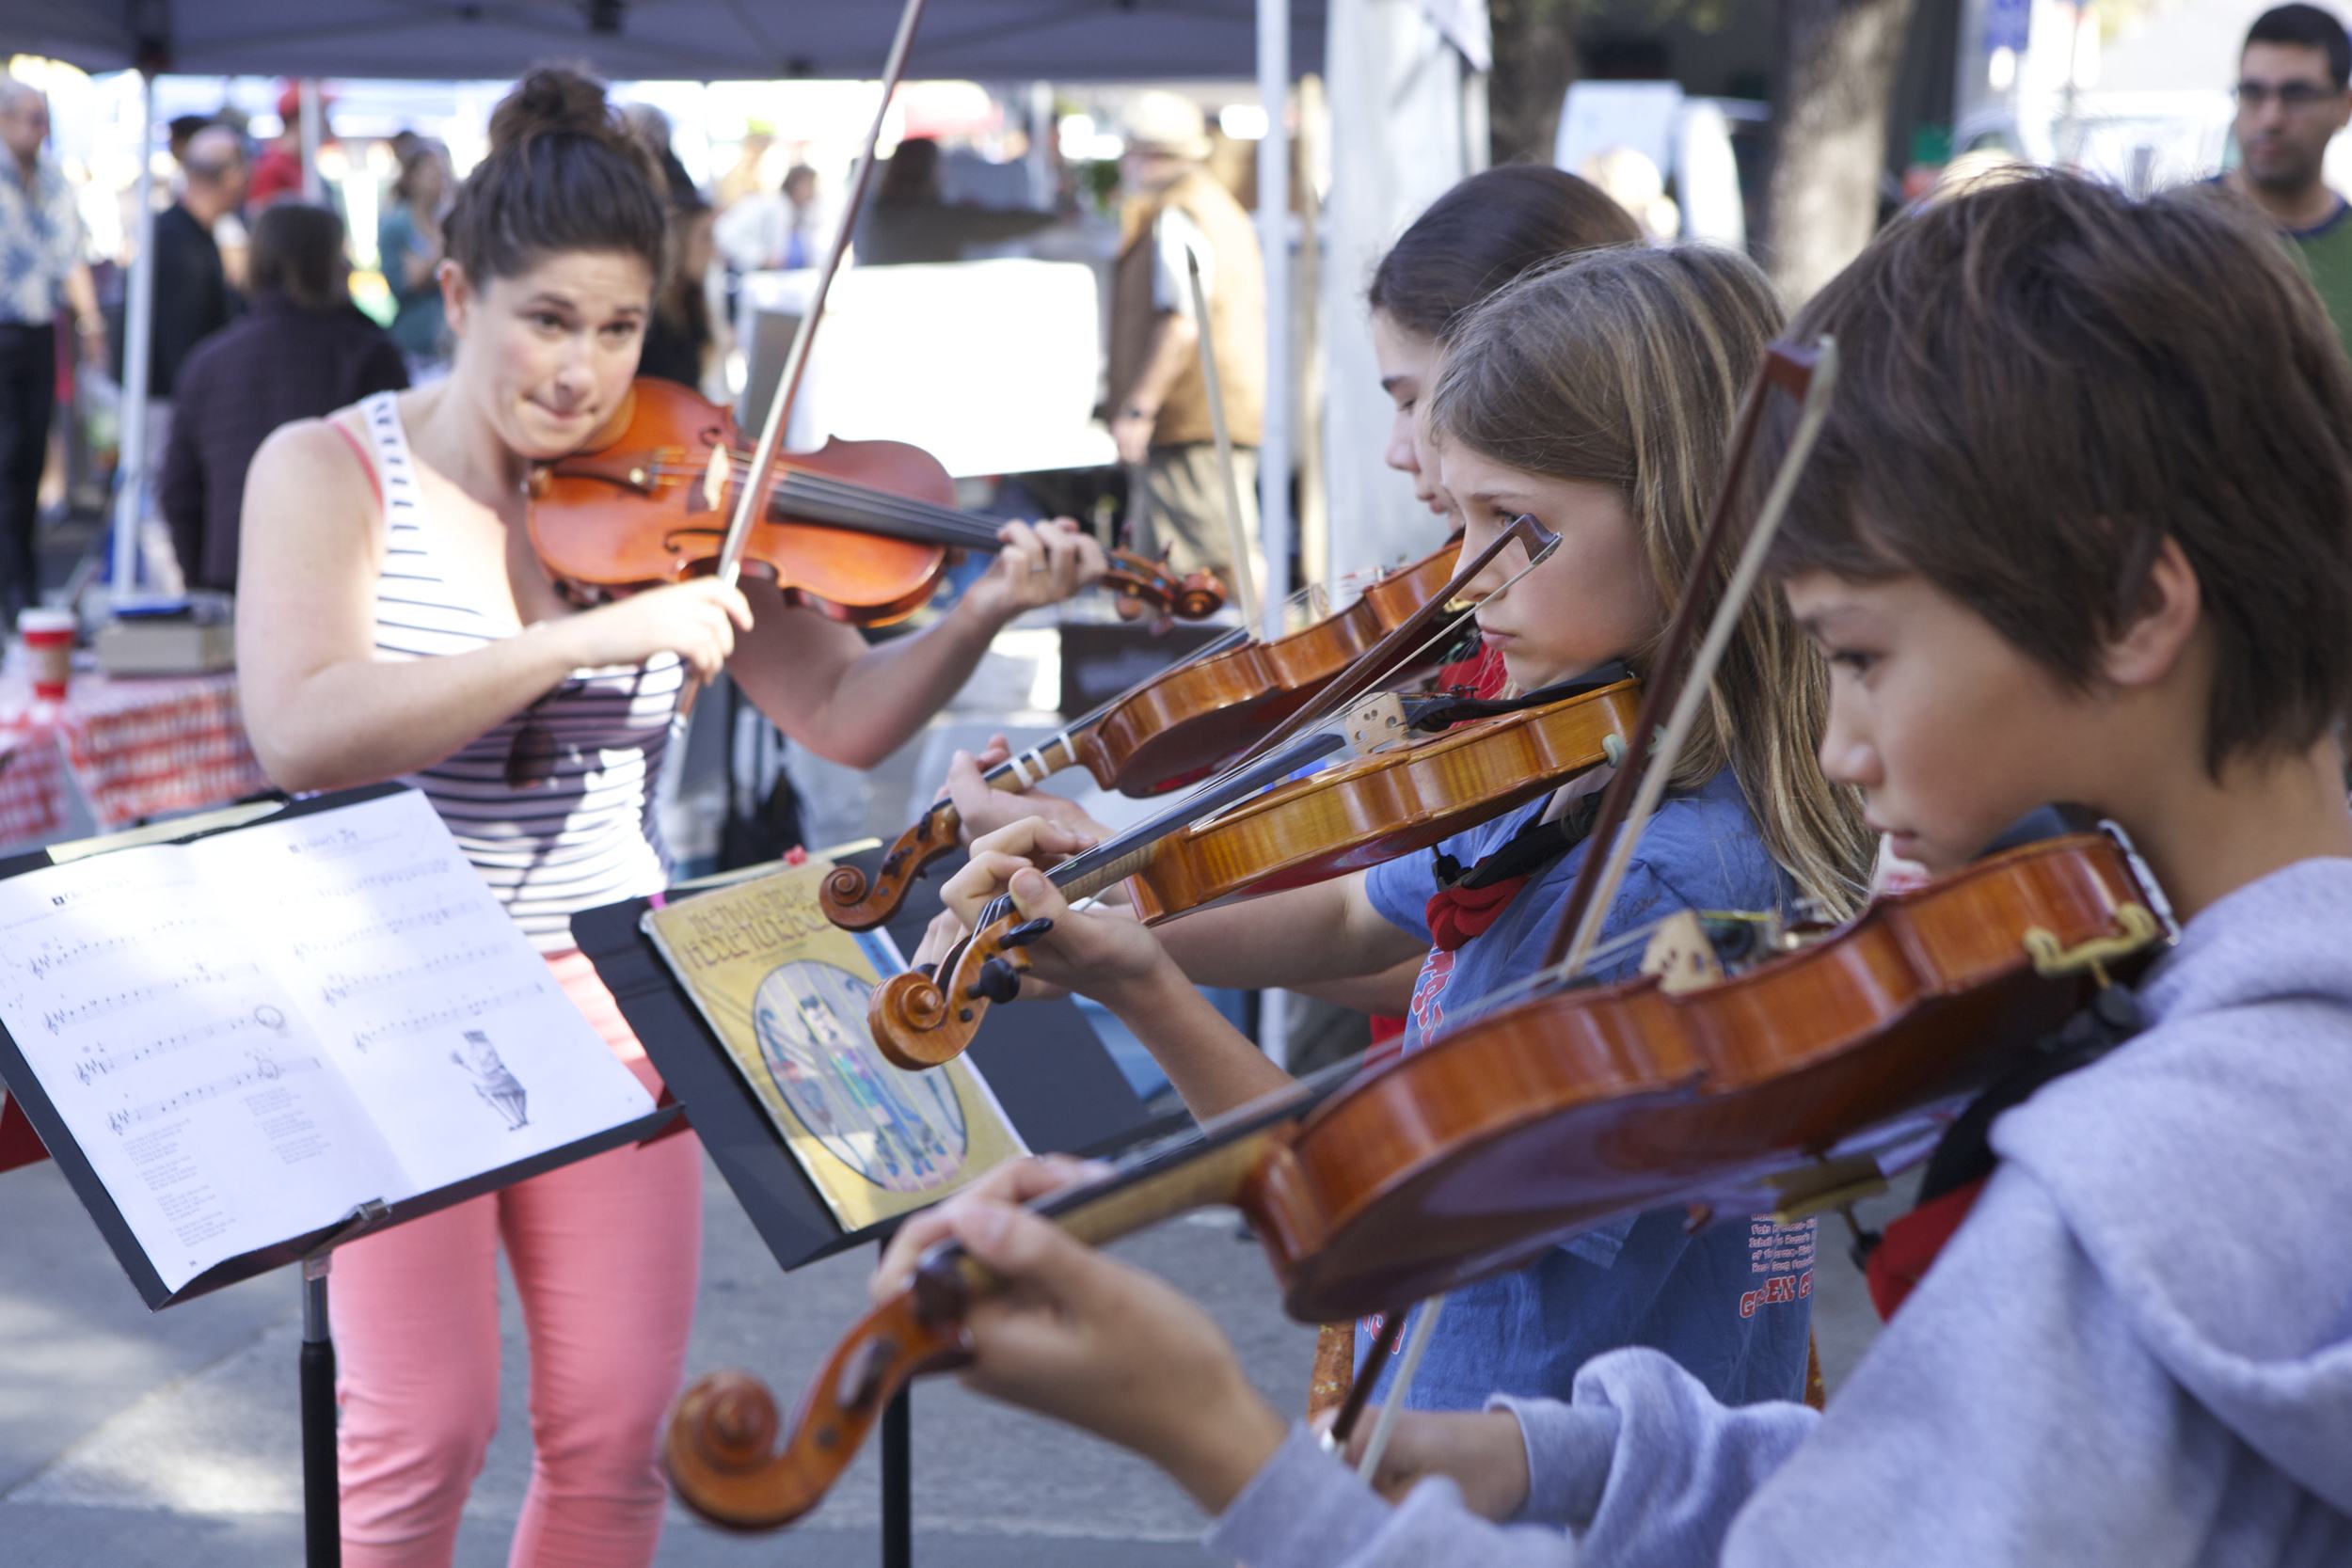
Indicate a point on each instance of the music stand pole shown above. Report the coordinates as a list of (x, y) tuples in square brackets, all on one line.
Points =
[(322, 1486), (322, 1501), (898, 1482)]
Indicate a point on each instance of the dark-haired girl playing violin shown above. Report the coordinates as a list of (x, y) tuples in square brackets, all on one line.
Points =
[(393, 623)]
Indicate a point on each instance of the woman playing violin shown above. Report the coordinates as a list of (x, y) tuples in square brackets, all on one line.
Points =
[(2131, 1349), (1545, 405), (393, 623)]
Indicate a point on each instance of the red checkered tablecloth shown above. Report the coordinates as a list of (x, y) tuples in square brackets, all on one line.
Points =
[(32, 787), (136, 748)]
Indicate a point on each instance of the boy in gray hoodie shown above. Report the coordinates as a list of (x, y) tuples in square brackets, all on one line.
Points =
[(2079, 528)]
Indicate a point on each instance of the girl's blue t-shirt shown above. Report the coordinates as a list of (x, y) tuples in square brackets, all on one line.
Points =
[(1731, 1303)]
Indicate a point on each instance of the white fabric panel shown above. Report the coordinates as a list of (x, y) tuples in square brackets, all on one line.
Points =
[(1398, 142)]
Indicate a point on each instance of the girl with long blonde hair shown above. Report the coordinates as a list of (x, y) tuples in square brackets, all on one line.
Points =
[(1597, 396)]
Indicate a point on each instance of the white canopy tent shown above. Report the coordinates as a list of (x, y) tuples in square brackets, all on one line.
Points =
[(1406, 111), (706, 41), (1407, 117)]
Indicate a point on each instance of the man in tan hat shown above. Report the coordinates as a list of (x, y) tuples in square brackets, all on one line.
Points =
[(1158, 401)]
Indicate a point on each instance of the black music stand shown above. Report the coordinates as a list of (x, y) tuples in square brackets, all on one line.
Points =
[(1051, 1073), (322, 1503)]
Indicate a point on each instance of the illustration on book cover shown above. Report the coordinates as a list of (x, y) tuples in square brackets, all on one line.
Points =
[(784, 990)]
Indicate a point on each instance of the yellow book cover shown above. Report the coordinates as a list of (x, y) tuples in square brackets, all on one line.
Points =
[(785, 990)]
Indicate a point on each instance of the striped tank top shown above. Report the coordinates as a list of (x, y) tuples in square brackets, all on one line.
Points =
[(555, 805)]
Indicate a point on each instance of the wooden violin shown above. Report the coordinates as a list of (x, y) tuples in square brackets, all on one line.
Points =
[(857, 530), (1364, 811), (1171, 729), (1770, 1088)]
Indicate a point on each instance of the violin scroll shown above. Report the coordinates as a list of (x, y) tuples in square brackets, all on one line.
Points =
[(1153, 586), (920, 1020), (720, 1448), (855, 902)]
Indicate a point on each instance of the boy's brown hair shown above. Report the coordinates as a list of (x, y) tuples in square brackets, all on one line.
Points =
[(2044, 379)]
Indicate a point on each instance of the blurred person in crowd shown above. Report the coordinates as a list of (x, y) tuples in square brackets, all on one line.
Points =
[(650, 129), (408, 245), (679, 335), (743, 181), (229, 232), (192, 295), (302, 351), (1633, 182), (777, 228), (277, 172), (1158, 399), (2292, 100), (41, 260), (908, 217), (183, 131)]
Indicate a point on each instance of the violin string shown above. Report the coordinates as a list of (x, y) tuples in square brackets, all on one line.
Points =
[(881, 504), (1330, 706), (1231, 639), (1032, 758), (1236, 783), (844, 490), (1342, 691), (1502, 996)]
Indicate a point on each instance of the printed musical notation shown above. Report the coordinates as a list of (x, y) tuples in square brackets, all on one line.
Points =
[(265, 1069), (49, 956), (442, 1018), (90, 1069), (199, 974), (342, 988), (396, 925), (397, 876), (249, 1033)]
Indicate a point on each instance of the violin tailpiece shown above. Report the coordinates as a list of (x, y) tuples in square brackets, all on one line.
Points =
[(1823, 1187), (2136, 929)]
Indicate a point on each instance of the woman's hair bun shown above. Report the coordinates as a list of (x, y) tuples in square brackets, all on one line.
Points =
[(552, 101)]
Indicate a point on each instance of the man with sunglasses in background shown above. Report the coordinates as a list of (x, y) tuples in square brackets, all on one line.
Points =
[(2292, 100)]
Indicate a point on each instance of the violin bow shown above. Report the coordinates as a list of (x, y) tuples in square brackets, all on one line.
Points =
[(1393, 651), (1809, 375), (1245, 577), (788, 382)]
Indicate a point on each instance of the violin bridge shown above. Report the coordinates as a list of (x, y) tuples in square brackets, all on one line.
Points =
[(715, 476), (1680, 955), (1377, 723)]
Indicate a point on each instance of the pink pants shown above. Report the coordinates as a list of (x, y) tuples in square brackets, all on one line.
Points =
[(604, 1254)]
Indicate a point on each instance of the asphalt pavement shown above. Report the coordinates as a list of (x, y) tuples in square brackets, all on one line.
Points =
[(170, 1440)]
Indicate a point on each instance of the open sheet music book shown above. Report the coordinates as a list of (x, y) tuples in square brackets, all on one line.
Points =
[(247, 1035)]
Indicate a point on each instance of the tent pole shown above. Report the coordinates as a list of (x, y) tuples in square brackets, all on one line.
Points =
[(313, 133), (1274, 451), (137, 351), (1274, 239)]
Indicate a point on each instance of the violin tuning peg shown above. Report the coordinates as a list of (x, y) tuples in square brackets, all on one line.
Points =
[(1026, 933), (999, 981)]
